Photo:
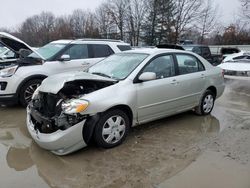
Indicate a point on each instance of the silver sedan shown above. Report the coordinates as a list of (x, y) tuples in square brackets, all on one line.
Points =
[(124, 90)]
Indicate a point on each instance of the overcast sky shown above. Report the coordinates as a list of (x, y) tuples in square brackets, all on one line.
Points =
[(14, 12)]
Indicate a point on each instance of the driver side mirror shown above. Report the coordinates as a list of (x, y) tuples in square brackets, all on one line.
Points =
[(64, 57), (24, 52), (147, 76)]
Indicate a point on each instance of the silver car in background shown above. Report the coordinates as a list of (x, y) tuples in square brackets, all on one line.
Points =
[(121, 91)]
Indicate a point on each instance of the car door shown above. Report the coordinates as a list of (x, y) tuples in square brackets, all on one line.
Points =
[(191, 80), (156, 98), (79, 59)]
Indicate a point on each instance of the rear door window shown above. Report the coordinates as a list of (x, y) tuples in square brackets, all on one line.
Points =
[(78, 51), (188, 64), (101, 50)]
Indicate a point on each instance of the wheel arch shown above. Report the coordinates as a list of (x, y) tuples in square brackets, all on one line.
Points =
[(213, 89), (38, 76), (126, 109), (89, 127)]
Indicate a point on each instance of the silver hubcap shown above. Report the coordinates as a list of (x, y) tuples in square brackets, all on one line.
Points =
[(113, 129), (208, 103), (29, 92)]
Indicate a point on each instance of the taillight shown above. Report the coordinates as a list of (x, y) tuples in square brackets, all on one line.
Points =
[(223, 73)]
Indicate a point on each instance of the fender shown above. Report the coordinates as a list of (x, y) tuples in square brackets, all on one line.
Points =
[(37, 76)]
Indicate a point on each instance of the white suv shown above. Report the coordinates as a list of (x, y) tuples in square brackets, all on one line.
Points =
[(19, 81)]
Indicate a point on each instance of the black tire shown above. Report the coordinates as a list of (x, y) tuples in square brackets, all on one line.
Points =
[(28, 88), (101, 138), (207, 99)]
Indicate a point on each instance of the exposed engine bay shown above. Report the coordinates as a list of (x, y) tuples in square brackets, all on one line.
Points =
[(46, 109), (20, 62)]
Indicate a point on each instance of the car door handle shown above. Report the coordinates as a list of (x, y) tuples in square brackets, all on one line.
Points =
[(174, 82), (85, 64), (203, 76)]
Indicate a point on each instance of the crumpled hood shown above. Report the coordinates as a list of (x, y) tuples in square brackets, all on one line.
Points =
[(53, 84)]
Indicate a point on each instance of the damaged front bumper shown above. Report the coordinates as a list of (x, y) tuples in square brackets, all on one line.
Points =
[(61, 142)]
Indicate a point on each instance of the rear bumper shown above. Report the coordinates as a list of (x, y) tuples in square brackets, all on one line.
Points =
[(61, 142)]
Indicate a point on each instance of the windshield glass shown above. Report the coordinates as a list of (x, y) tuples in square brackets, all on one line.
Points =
[(48, 50), (2, 49), (118, 66)]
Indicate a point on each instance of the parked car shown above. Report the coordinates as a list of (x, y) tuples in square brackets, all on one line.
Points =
[(236, 66), (19, 81), (205, 52), (170, 46), (226, 51), (123, 90)]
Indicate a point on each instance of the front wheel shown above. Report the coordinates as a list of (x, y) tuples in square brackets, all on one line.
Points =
[(27, 90), (112, 129), (206, 103)]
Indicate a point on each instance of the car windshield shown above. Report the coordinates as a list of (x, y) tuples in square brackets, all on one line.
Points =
[(118, 66), (2, 49), (48, 50)]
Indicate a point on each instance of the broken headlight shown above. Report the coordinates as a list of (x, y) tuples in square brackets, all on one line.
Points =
[(74, 106)]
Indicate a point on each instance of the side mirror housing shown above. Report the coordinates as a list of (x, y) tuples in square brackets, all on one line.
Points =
[(64, 57), (147, 76), (24, 52)]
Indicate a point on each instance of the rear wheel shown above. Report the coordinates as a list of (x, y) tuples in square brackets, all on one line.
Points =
[(27, 91), (112, 129), (206, 103)]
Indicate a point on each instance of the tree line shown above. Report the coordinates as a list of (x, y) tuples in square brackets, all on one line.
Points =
[(139, 22)]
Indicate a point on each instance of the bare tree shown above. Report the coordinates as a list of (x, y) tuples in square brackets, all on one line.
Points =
[(37, 29), (117, 9), (135, 17), (62, 28), (245, 4), (78, 22), (207, 19), (185, 13), (104, 20)]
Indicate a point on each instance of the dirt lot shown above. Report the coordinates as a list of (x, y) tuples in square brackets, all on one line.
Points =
[(181, 151)]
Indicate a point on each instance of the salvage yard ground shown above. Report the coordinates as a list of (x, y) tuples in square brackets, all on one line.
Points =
[(180, 151)]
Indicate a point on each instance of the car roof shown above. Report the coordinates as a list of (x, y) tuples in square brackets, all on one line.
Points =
[(152, 51), (91, 41), (62, 41), (194, 45)]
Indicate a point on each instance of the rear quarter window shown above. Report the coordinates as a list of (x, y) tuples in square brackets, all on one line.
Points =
[(101, 50), (124, 47)]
